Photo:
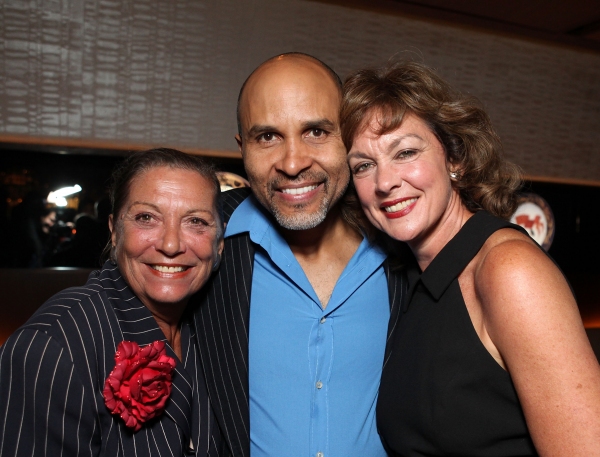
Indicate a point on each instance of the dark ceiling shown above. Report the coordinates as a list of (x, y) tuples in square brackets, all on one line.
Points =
[(567, 22), (571, 17)]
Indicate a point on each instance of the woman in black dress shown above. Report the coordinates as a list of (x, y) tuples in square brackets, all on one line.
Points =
[(489, 356)]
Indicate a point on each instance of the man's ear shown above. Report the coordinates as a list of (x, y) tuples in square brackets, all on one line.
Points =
[(238, 140)]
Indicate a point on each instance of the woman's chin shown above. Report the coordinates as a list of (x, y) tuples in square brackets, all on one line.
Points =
[(165, 298), (396, 229)]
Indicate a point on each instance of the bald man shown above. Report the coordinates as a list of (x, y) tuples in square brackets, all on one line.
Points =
[(293, 326)]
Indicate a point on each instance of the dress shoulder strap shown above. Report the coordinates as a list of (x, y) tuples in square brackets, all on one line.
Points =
[(461, 249)]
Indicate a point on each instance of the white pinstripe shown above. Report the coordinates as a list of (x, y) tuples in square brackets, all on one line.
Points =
[(35, 387), (79, 421), (7, 404), (23, 410), (49, 403), (63, 419)]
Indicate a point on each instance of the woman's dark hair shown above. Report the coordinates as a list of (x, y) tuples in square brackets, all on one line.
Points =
[(485, 179), (143, 161)]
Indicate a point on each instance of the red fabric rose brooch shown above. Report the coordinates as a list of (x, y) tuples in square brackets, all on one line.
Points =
[(139, 386)]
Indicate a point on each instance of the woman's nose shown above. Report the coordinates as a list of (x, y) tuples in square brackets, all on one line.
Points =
[(387, 178), (170, 243)]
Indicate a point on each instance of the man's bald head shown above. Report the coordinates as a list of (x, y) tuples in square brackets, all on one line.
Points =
[(288, 56)]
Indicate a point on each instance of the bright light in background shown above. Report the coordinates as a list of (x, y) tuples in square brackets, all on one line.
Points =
[(58, 196)]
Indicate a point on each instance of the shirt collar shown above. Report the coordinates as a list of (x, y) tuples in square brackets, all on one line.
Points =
[(249, 217), (252, 218)]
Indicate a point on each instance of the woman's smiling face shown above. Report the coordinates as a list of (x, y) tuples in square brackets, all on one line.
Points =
[(166, 238), (402, 179)]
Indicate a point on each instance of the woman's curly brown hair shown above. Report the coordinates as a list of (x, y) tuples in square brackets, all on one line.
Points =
[(485, 179)]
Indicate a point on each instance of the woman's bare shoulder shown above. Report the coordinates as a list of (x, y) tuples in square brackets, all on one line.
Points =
[(532, 319)]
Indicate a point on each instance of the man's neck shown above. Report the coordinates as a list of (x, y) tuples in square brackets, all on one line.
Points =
[(324, 251), (333, 230)]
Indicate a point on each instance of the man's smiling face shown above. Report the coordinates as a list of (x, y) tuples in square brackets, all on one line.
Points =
[(291, 143)]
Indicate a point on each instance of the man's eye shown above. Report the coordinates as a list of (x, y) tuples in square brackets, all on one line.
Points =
[(317, 133), (266, 137)]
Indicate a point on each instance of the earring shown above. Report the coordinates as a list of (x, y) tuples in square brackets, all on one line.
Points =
[(454, 176)]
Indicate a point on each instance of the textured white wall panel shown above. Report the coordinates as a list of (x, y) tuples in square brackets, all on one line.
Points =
[(168, 72)]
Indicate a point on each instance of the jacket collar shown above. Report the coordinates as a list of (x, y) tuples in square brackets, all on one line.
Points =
[(137, 324)]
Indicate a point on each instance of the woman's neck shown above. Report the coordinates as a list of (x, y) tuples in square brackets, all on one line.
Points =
[(169, 321), (429, 246)]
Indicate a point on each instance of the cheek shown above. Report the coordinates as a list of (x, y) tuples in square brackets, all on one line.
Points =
[(345, 172), (132, 243), (255, 169), (423, 178), (205, 248), (365, 188), (336, 162)]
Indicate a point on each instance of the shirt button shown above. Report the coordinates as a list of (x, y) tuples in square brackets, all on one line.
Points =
[(323, 320), (319, 385), (320, 454)]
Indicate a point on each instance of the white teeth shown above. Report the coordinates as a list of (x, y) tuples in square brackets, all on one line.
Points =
[(399, 206), (164, 269), (299, 190)]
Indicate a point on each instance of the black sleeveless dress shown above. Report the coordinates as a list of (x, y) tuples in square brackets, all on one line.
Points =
[(442, 393)]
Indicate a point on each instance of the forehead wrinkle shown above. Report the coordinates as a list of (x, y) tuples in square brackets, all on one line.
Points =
[(157, 208), (139, 202), (357, 155), (391, 146)]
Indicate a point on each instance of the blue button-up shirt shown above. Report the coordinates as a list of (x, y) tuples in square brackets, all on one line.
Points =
[(314, 372)]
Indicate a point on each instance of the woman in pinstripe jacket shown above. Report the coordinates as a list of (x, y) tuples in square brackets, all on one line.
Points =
[(64, 377)]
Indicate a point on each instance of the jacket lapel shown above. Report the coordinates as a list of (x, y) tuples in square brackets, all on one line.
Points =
[(137, 324), (221, 321)]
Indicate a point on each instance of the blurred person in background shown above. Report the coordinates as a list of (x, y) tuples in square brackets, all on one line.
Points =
[(31, 234), (84, 247)]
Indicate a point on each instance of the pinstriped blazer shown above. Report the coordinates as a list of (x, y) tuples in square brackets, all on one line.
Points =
[(53, 369), (222, 322)]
